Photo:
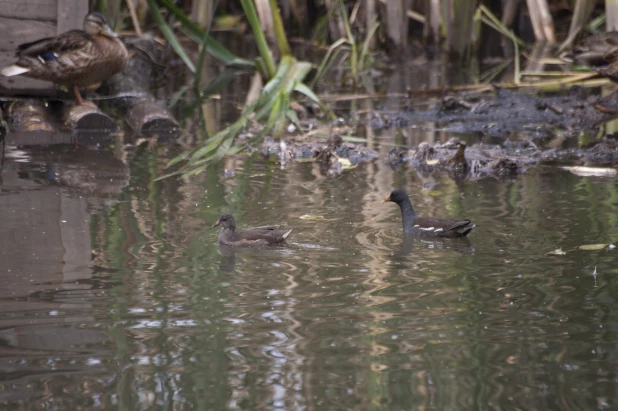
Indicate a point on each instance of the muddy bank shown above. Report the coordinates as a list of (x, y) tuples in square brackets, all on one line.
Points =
[(506, 113), (333, 154), (533, 129)]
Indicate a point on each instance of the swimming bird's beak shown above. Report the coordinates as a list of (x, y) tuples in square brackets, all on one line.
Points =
[(216, 224), (107, 31), (386, 200)]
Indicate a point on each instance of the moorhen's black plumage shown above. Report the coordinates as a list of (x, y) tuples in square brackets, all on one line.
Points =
[(427, 226), (249, 237)]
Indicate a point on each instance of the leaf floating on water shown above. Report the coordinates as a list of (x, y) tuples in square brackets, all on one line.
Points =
[(346, 164), (557, 251), (344, 161), (312, 217), (592, 247), (591, 171)]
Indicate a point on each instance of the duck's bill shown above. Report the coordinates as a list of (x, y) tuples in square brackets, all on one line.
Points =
[(107, 31), (216, 224)]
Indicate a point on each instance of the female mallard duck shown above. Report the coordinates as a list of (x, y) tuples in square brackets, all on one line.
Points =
[(76, 59), (248, 237), (427, 226)]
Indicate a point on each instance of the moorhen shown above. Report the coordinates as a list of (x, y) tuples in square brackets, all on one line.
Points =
[(427, 226), (249, 237)]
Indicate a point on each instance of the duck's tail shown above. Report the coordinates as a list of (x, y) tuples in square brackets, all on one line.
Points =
[(13, 70), (287, 233), (466, 230)]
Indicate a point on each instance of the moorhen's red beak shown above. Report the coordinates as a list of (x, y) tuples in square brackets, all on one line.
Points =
[(216, 224)]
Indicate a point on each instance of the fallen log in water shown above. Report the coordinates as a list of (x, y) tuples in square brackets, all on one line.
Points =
[(144, 114), (148, 117), (30, 123), (30, 115), (85, 118)]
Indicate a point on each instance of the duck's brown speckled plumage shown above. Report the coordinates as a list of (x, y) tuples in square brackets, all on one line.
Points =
[(249, 237), (599, 51), (595, 50), (77, 58)]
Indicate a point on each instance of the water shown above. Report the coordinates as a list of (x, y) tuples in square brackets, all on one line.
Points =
[(115, 294)]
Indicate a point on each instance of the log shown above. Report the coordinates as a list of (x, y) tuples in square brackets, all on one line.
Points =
[(31, 124), (85, 118), (147, 118), (144, 114), (30, 115)]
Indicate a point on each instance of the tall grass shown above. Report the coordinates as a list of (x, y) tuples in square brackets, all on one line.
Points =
[(272, 107)]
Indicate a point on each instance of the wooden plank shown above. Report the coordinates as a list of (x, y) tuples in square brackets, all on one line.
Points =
[(15, 32), (70, 14), (29, 9)]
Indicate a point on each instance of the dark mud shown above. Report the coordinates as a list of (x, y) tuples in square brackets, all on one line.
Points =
[(533, 129), (508, 113), (333, 154)]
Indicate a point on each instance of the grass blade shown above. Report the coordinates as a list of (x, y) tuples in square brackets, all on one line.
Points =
[(260, 38), (194, 31), (169, 34)]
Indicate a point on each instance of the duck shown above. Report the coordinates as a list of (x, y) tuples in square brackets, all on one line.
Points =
[(76, 59), (427, 226), (248, 237), (595, 50), (599, 51), (458, 161)]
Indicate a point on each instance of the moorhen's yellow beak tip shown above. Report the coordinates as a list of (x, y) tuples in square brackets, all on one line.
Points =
[(386, 200)]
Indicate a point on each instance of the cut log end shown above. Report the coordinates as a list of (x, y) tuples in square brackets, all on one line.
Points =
[(30, 115), (148, 118), (164, 128), (86, 118)]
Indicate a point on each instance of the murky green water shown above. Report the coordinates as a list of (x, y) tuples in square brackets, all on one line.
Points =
[(115, 294)]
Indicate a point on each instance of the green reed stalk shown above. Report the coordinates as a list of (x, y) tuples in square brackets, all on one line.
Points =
[(260, 38)]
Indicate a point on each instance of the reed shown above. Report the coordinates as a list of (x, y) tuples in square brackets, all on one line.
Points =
[(272, 106)]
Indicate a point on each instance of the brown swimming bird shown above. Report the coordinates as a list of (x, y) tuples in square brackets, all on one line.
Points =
[(599, 51), (77, 58), (595, 50), (458, 161), (427, 226), (248, 237)]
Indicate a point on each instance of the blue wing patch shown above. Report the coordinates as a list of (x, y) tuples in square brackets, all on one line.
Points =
[(48, 56)]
